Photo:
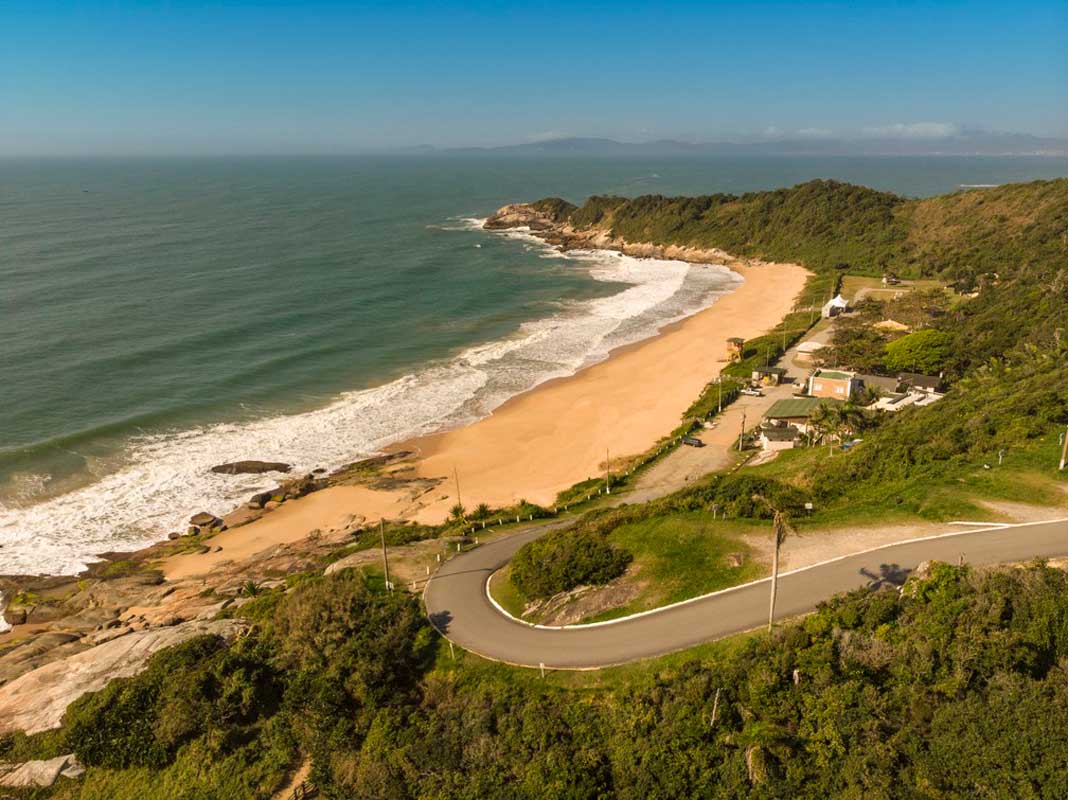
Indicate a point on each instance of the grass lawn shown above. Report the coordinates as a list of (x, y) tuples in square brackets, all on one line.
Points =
[(677, 557), (1026, 475), (685, 555)]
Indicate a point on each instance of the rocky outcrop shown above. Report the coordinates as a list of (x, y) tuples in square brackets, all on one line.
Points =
[(251, 467), (566, 237), (35, 701), (519, 215), (34, 774), (204, 520)]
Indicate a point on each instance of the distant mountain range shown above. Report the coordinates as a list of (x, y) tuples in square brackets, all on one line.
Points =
[(962, 144)]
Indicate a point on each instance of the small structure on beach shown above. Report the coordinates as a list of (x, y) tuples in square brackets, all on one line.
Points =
[(735, 346), (768, 376), (835, 306), (833, 383)]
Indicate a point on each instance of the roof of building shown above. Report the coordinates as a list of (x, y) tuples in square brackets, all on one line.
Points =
[(921, 381), (770, 370), (834, 375), (796, 407), (787, 433), (883, 382), (837, 302)]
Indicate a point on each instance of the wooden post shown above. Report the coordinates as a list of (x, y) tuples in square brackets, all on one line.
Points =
[(774, 580), (741, 436), (607, 473), (719, 380), (459, 502), (385, 557)]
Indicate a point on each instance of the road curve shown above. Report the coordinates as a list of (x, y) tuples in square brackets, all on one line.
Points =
[(458, 606)]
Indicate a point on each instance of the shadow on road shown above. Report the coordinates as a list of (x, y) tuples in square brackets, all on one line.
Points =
[(889, 575), (440, 620)]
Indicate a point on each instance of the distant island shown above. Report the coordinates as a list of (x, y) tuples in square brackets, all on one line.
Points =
[(954, 143)]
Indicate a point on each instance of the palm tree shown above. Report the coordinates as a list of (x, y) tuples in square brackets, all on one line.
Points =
[(781, 528)]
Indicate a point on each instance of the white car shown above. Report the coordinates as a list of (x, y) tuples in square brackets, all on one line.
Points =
[(752, 392)]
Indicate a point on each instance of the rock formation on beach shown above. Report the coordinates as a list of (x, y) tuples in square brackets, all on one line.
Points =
[(251, 467)]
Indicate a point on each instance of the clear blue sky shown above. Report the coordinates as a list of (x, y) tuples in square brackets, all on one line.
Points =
[(187, 77)]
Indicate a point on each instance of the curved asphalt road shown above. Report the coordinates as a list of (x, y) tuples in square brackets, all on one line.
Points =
[(458, 606)]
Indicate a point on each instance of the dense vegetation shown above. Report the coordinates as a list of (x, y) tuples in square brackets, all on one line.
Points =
[(954, 687), (564, 559)]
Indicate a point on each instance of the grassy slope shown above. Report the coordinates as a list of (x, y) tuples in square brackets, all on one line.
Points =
[(929, 464)]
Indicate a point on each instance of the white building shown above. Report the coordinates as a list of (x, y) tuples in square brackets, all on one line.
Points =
[(835, 306)]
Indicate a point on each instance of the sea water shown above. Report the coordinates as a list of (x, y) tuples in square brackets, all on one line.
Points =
[(159, 317)]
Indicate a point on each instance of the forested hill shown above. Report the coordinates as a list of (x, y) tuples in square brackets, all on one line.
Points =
[(1009, 244), (1009, 230)]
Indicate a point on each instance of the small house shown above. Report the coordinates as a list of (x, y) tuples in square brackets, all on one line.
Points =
[(768, 376), (796, 412), (880, 383), (927, 384), (833, 383), (833, 307), (735, 346), (778, 437)]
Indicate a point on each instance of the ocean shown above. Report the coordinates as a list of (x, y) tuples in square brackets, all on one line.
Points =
[(159, 317)]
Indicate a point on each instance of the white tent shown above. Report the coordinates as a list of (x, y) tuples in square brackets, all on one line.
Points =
[(834, 307)]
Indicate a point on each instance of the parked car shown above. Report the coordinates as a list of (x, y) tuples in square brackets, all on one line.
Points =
[(692, 441), (752, 392)]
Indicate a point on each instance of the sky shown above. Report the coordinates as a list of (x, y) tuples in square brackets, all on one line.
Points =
[(178, 77)]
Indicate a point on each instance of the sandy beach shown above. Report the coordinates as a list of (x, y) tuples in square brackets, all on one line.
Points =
[(549, 438)]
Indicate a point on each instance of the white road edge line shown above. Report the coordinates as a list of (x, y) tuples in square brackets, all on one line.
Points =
[(740, 587)]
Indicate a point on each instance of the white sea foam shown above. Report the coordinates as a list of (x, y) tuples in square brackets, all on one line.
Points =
[(167, 477)]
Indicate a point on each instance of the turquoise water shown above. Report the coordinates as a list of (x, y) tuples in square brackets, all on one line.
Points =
[(158, 317)]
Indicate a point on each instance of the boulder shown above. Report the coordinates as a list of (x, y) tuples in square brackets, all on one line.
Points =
[(35, 701), (251, 467), (38, 773), (204, 520), (259, 500)]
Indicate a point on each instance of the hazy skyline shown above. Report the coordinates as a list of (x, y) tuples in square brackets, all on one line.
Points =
[(183, 77)]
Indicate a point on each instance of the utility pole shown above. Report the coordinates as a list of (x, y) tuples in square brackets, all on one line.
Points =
[(719, 380), (1064, 449), (456, 476), (385, 557), (607, 473), (741, 436)]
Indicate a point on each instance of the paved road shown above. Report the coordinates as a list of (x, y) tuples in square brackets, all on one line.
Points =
[(458, 606)]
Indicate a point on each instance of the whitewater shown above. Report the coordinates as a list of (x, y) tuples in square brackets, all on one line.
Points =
[(166, 477)]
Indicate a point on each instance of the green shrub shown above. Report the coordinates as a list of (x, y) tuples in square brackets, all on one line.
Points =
[(924, 352), (200, 688), (562, 560)]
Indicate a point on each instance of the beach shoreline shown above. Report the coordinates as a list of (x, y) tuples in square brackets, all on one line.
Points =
[(550, 437)]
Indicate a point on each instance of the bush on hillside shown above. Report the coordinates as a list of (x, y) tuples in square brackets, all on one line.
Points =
[(565, 559), (924, 352)]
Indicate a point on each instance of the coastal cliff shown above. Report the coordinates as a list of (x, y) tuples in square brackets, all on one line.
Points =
[(556, 229)]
